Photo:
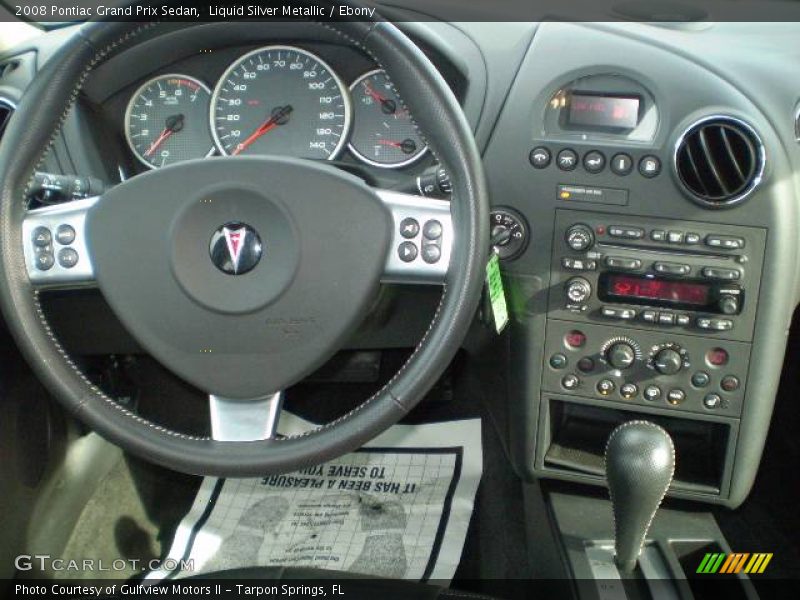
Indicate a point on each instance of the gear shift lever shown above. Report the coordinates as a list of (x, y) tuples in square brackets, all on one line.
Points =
[(640, 462)]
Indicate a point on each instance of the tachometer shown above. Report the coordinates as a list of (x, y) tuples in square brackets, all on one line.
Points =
[(383, 133), (167, 120), (280, 100)]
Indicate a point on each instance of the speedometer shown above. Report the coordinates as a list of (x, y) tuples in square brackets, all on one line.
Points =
[(280, 100)]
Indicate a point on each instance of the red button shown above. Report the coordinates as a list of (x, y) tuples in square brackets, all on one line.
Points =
[(717, 357), (600, 229), (575, 339)]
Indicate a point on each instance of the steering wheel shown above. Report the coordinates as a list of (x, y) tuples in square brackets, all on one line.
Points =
[(241, 275)]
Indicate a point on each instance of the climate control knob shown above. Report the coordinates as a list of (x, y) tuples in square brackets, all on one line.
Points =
[(668, 361), (578, 290), (579, 237), (621, 355)]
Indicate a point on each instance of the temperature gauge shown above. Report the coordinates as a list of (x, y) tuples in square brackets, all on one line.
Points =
[(509, 232), (383, 133)]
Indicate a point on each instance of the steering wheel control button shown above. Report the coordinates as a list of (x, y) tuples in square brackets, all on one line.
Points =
[(431, 253), (570, 382), (621, 164), (407, 251), (65, 235), (700, 379), (729, 383), (676, 396), (652, 393), (67, 258), (45, 261), (540, 157), (594, 161), (605, 387), (628, 391), (712, 401), (567, 160), (235, 248), (41, 237), (432, 230), (650, 166), (409, 228), (558, 361)]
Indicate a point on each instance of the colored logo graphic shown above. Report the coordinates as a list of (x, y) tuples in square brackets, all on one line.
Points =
[(736, 562)]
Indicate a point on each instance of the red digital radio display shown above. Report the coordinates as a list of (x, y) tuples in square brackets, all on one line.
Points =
[(624, 287), (603, 111)]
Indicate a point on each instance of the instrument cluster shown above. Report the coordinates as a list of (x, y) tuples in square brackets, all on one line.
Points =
[(278, 100)]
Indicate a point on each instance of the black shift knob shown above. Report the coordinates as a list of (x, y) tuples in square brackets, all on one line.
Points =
[(640, 463)]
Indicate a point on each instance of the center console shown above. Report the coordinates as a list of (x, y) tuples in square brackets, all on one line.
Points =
[(657, 279)]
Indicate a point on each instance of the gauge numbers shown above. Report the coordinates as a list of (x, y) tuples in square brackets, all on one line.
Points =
[(166, 121), (280, 100), (383, 133)]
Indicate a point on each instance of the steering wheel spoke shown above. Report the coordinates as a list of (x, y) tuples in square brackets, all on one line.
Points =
[(55, 246), (422, 239), (238, 420)]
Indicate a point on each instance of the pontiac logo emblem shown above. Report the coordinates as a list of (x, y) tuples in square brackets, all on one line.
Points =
[(235, 248)]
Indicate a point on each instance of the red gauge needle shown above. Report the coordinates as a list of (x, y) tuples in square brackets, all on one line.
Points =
[(278, 117), (173, 125), (407, 146), (387, 106)]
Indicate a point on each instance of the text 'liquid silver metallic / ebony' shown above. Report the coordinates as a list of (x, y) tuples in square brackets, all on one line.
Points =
[(235, 248)]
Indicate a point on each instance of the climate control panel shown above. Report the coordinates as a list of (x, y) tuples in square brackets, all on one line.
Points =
[(653, 368)]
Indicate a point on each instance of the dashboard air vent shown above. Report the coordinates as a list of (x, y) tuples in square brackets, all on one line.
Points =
[(720, 161), (6, 110)]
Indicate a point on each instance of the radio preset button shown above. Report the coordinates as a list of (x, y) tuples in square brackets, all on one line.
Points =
[(649, 316), (722, 274), (675, 237), (666, 318), (628, 233), (611, 312), (721, 324), (625, 264), (692, 238), (725, 242), (658, 235), (671, 268), (683, 320)]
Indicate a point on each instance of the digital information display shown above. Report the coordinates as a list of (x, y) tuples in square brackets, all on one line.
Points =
[(607, 112), (658, 290)]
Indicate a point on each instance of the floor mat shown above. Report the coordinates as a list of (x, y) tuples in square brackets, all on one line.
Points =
[(399, 508)]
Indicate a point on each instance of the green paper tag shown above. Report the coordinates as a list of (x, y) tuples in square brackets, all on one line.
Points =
[(497, 296)]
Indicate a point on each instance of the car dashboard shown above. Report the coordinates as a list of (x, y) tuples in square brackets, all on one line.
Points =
[(646, 174)]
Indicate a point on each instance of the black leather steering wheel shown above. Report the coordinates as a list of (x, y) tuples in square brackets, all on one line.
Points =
[(327, 242)]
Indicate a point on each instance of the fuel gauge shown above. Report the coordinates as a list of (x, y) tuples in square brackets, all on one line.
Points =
[(383, 133)]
